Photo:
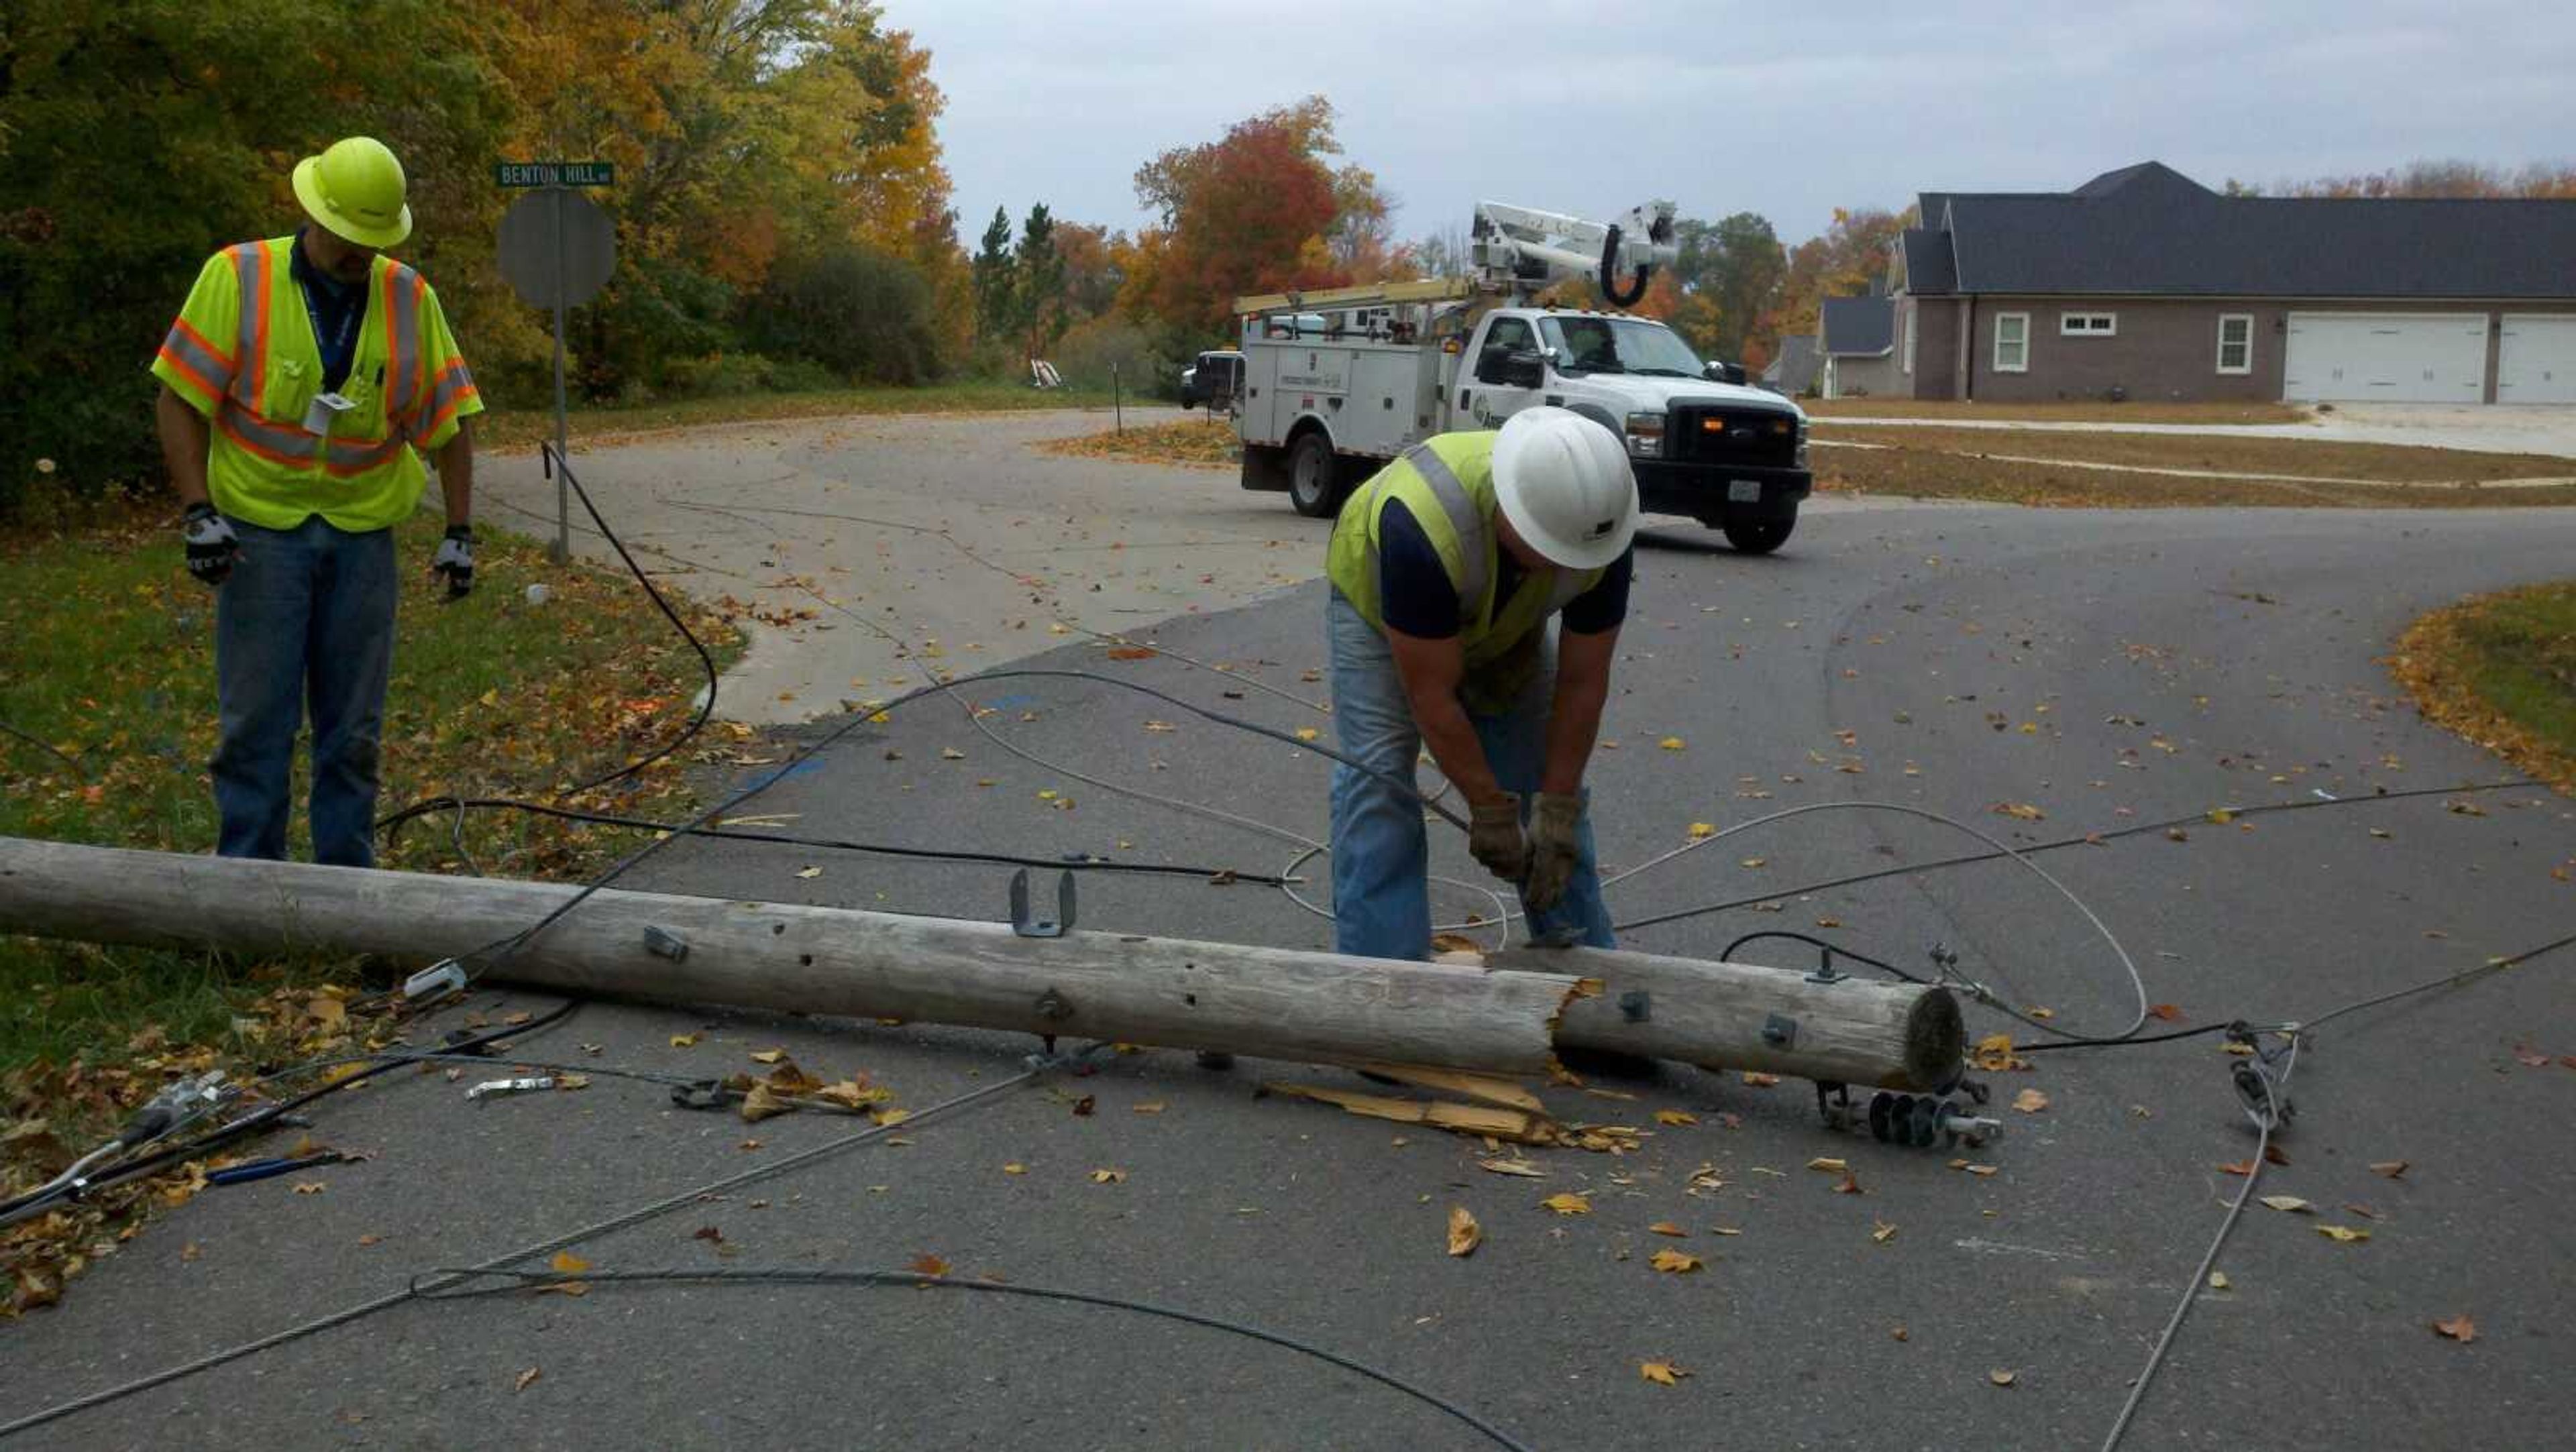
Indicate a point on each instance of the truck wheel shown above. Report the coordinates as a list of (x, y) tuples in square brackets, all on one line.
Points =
[(1314, 478), (1760, 536)]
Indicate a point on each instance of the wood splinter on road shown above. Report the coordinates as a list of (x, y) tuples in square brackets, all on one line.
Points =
[(1397, 1018)]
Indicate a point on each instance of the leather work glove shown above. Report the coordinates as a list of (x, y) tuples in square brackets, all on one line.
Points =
[(1494, 837), (212, 545), (1553, 849), (456, 559)]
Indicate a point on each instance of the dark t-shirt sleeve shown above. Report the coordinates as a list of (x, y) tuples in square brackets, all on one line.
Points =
[(1605, 605), (1413, 589)]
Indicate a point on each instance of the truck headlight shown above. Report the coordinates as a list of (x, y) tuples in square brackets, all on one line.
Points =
[(1646, 435)]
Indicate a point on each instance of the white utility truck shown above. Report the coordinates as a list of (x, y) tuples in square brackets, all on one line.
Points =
[(1335, 383)]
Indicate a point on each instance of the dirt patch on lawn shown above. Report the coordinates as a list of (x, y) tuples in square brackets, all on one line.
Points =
[(2315, 459), (1192, 443), (1932, 474), (2500, 670), (2145, 413)]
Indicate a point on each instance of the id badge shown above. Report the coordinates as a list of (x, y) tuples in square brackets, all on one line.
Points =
[(324, 408)]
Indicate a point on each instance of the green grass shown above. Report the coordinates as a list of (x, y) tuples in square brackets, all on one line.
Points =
[(2522, 660), (2501, 670), (106, 653), (525, 428)]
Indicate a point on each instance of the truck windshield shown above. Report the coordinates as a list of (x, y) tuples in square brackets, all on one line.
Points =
[(1618, 345)]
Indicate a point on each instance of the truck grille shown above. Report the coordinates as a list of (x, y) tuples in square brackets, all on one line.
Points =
[(1713, 434)]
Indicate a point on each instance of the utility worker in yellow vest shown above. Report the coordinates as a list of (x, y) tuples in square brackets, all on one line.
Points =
[(1448, 569), (296, 387)]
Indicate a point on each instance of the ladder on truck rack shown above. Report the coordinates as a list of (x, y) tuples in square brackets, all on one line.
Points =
[(1436, 289)]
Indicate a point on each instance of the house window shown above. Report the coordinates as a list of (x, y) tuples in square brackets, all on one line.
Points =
[(2088, 325), (1909, 337), (2012, 342), (2235, 342)]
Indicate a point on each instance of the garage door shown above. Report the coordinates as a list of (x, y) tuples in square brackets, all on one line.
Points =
[(2391, 357), (2537, 361)]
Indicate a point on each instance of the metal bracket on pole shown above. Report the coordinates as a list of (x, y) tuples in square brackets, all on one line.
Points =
[(1031, 927)]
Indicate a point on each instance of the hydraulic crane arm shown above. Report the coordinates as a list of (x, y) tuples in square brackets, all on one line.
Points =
[(1519, 251)]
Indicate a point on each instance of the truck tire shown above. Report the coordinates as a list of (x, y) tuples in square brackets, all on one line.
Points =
[(1314, 476), (1759, 536)]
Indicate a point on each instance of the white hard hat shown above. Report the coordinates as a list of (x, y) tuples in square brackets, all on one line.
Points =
[(1564, 483)]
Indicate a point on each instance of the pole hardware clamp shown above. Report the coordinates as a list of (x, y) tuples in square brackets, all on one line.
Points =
[(663, 943), (1780, 1031), (1636, 1005), (1028, 926)]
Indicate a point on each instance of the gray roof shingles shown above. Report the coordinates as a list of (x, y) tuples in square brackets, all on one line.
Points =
[(2148, 229), (1865, 325)]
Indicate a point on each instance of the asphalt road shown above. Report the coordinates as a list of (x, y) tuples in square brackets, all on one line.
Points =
[(2105, 668)]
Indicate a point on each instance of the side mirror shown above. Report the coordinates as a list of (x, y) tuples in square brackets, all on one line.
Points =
[(1519, 370), (1724, 372)]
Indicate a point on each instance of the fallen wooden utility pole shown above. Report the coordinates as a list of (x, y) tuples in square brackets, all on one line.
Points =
[(1506, 1018)]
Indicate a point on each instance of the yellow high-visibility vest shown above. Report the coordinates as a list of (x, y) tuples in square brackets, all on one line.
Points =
[(242, 352), (1447, 481)]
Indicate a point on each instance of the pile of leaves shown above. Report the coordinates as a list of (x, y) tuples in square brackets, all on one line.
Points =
[(1192, 443)]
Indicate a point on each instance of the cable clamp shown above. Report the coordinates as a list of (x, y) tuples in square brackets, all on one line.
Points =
[(435, 981)]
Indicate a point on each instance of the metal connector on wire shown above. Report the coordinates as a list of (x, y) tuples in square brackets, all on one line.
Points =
[(437, 980)]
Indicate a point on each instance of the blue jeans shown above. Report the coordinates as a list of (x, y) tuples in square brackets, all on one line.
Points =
[(306, 619), (1381, 860)]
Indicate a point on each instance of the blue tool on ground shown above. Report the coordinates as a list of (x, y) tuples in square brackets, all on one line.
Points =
[(249, 1170)]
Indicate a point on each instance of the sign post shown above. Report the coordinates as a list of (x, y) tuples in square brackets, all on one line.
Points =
[(557, 249)]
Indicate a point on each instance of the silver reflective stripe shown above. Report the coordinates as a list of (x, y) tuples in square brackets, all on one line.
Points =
[(452, 383), (250, 363), (351, 457), (199, 358), (1569, 583), (406, 369), (1465, 521), (289, 444)]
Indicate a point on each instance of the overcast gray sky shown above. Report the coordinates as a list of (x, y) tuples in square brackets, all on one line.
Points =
[(1786, 109)]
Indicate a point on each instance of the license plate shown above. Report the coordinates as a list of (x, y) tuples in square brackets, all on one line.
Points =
[(1744, 491)]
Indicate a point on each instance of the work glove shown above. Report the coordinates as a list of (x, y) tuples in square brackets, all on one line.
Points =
[(456, 559), (1494, 836), (1553, 849), (212, 545)]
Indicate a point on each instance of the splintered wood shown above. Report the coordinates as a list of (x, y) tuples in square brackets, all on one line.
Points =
[(1516, 1115)]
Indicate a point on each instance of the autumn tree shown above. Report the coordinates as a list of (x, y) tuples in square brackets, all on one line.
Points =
[(2430, 178), (1039, 309), (1254, 211)]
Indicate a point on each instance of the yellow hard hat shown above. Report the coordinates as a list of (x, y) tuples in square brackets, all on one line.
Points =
[(356, 190)]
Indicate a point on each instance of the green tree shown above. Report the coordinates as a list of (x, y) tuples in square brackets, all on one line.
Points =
[(997, 280), (1041, 307)]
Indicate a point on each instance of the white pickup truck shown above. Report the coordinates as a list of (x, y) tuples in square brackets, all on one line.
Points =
[(1337, 383)]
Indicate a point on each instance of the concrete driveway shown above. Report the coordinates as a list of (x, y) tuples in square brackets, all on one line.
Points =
[(2105, 669), (2537, 429)]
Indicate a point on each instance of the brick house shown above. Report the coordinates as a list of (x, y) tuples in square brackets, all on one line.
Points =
[(2144, 284)]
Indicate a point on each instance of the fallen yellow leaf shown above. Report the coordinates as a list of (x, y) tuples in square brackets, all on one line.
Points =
[(1675, 1117), (1150, 1106), (1522, 1168), (1307, 733), (1661, 1373), (2391, 1168), (1672, 743), (1108, 1177), (1882, 1232), (1702, 830), (2287, 1204), (526, 1378), (1759, 1080), (2342, 1234), (1674, 1262), (1015, 1168), (1464, 1233), (810, 873), (1666, 1227), (2030, 1101), (1822, 1163), (2458, 1328), (2218, 1281), (928, 1265), (2001, 1377), (308, 1187), (1567, 1204), (768, 1056), (683, 1041)]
